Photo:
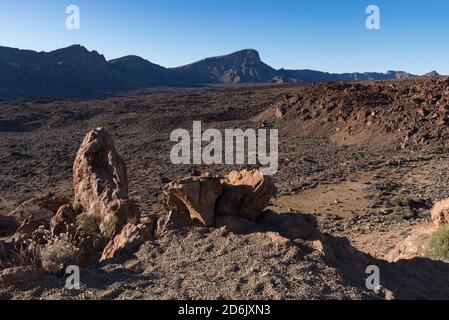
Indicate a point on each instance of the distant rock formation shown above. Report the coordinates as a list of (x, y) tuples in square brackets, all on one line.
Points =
[(76, 72)]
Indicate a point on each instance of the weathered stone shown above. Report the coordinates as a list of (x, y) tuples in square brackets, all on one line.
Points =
[(195, 196), (60, 221), (414, 245), (39, 210), (440, 212), (128, 241), (246, 194), (100, 182)]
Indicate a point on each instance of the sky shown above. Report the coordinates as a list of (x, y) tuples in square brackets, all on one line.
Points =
[(324, 35)]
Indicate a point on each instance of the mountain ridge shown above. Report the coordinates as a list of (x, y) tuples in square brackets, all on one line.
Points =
[(76, 72)]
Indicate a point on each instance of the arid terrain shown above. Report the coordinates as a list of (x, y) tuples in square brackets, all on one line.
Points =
[(366, 160)]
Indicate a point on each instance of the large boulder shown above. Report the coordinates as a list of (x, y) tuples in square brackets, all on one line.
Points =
[(246, 194), (440, 213), (243, 194), (100, 182), (195, 196)]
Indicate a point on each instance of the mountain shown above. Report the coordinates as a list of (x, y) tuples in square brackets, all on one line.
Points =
[(76, 72), (239, 67)]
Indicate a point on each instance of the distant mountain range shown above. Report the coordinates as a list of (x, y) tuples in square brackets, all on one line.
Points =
[(76, 72)]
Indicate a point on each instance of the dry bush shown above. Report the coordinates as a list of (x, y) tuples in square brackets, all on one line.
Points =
[(89, 223), (438, 245), (77, 208), (59, 253)]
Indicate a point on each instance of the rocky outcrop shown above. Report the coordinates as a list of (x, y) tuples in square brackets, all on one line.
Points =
[(244, 194), (195, 196), (100, 182), (440, 212), (39, 210), (59, 223), (127, 241), (414, 245)]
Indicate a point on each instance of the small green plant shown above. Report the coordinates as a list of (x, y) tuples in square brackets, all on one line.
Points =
[(77, 208), (110, 225), (438, 245), (89, 223)]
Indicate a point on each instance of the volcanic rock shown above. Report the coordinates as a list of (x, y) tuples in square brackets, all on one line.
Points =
[(440, 212), (100, 182), (246, 194), (64, 217), (195, 196), (126, 242)]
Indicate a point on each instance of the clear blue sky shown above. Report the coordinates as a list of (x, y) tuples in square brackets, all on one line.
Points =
[(298, 34)]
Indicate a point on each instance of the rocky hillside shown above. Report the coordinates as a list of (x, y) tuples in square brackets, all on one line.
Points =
[(77, 72), (411, 113)]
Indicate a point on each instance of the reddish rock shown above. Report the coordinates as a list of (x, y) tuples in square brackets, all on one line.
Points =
[(39, 210), (440, 213), (128, 241), (100, 181), (195, 196), (414, 245), (60, 221), (246, 194)]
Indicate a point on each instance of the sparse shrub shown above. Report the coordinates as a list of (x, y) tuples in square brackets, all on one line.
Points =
[(438, 245), (77, 208), (89, 223), (405, 207), (110, 226), (57, 254)]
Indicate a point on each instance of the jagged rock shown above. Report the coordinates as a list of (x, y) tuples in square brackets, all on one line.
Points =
[(195, 196), (440, 212), (414, 245), (127, 241), (100, 181), (13, 276), (60, 221), (39, 210), (246, 194)]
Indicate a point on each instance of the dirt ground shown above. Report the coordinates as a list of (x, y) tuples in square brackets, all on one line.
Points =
[(373, 194)]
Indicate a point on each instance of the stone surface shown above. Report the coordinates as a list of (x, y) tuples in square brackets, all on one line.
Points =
[(195, 196), (100, 181), (126, 242), (39, 209), (440, 212), (60, 221), (246, 194), (414, 245)]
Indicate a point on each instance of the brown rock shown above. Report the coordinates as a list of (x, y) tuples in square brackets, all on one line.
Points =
[(195, 196), (60, 221), (440, 212), (100, 181), (126, 242), (39, 210), (246, 194), (414, 245)]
